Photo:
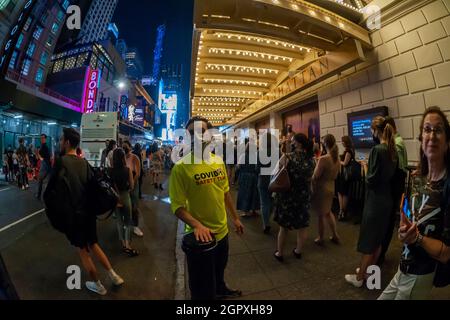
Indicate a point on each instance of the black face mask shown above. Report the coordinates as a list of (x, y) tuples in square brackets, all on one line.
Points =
[(293, 147), (376, 140)]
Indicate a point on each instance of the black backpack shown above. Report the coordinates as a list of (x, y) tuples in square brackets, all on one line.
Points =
[(442, 277), (59, 207), (102, 197)]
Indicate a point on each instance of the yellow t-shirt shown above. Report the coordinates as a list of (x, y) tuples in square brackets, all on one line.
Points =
[(201, 188)]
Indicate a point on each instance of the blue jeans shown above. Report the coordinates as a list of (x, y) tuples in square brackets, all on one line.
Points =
[(265, 198)]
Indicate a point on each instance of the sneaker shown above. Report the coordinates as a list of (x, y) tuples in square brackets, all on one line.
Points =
[(27, 187), (138, 232), (117, 280), (96, 287), (229, 293), (23, 187), (352, 279)]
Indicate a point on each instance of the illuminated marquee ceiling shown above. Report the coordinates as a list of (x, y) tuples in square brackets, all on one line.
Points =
[(242, 49)]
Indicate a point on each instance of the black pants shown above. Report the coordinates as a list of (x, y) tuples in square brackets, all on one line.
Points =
[(397, 197), (23, 177), (207, 270)]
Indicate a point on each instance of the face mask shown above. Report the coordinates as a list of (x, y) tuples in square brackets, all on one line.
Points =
[(376, 139), (293, 146)]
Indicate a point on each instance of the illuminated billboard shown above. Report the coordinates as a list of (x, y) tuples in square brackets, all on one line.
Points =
[(169, 101)]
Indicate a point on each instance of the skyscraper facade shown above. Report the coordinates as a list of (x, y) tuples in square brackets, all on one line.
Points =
[(134, 64), (99, 16)]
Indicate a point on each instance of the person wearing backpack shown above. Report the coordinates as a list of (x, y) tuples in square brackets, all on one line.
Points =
[(66, 198), (425, 218)]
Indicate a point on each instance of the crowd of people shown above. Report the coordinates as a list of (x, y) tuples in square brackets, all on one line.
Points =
[(418, 199), (319, 178)]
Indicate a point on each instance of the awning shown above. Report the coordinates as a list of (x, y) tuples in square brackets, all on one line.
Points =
[(248, 54)]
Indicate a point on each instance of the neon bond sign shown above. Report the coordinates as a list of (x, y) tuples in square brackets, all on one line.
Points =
[(91, 86)]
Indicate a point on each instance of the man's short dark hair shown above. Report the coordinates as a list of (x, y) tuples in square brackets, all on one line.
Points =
[(71, 135), (44, 136), (21, 140), (127, 143), (198, 118)]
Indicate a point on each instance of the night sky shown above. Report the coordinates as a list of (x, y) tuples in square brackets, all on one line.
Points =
[(137, 21)]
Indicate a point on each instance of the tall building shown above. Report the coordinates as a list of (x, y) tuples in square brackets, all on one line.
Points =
[(30, 59), (113, 33), (173, 76), (157, 54), (134, 64), (99, 16), (122, 48)]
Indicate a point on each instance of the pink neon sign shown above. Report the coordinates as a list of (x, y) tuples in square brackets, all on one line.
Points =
[(91, 86)]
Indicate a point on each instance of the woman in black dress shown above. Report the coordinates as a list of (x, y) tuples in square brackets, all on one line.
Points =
[(378, 205), (292, 207), (344, 186)]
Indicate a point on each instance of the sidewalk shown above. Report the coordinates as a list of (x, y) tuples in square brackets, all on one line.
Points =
[(318, 276)]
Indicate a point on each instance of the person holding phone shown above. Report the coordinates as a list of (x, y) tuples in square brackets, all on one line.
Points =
[(425, 216)]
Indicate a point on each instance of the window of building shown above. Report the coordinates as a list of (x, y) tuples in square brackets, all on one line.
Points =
[(27, 24), (60, 15), (31, 48), (26, 67), (55, 28), (19, 41), (37, 32), (39, 75), (81, 60), (57, 67), (66, 4), (70, 63), (49, 42), (44, 18), (44, 58), (12, 62)]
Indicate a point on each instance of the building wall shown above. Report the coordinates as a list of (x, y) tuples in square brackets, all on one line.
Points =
[(408, 70)]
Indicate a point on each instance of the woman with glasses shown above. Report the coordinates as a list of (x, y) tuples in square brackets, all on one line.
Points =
[(425, 218)]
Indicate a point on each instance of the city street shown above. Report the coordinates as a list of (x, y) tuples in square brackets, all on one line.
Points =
[(37, 258)]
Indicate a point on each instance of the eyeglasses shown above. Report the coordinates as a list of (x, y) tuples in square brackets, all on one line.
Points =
[(438, 131)]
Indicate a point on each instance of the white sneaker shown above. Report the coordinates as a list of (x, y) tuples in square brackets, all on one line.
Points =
[(138, 232), (23, 187), (352, 279), (96, 287), (27, 187), (117, 280)]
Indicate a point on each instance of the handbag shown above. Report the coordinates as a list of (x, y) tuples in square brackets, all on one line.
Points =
[(352, 171), (280, 182)]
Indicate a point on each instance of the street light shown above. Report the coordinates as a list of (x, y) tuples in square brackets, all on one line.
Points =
[(121, 85)]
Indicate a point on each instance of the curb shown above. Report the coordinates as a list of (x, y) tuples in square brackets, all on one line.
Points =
[(180, 258)]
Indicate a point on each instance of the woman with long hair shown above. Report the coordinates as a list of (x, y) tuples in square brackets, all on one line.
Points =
[(344, 186), (123, 182), (292, 207), (323, 183), (424, 233), (378, 205)]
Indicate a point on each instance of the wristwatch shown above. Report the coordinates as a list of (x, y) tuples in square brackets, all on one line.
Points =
[(419, 240)]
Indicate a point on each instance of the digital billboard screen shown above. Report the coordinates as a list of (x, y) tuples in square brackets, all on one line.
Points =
[(359, 126), (169, 101)]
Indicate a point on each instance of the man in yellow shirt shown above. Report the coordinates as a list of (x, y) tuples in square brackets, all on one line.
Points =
[(199, 195)]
